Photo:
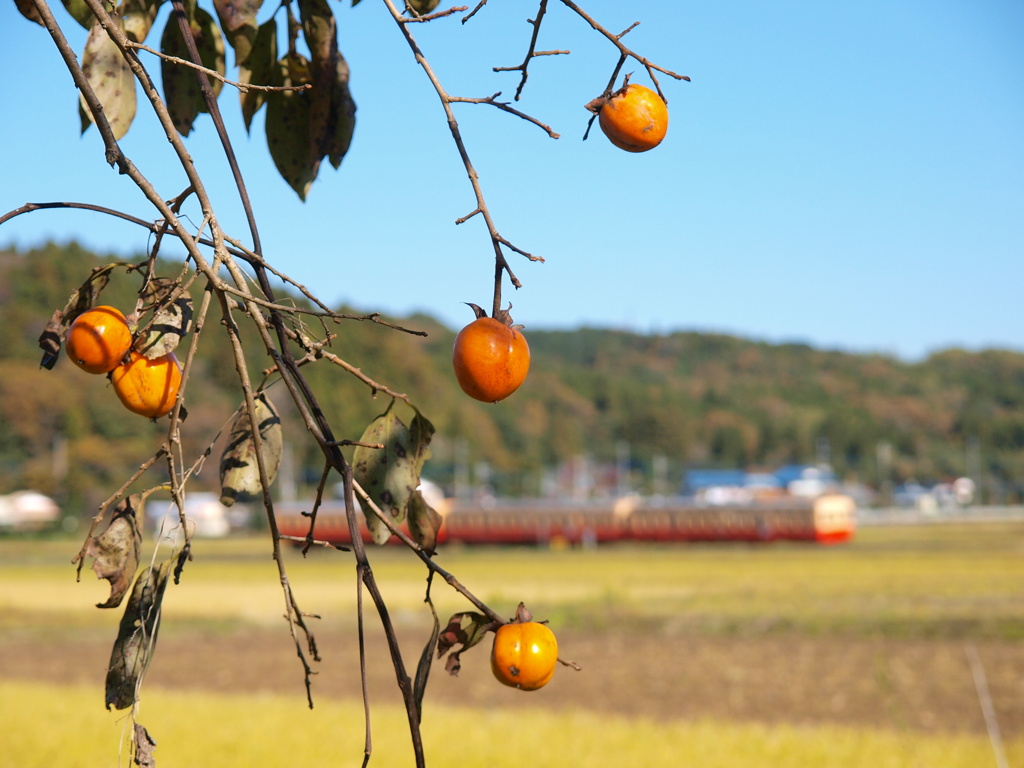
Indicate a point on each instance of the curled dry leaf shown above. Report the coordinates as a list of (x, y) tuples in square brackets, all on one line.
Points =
[(464, 630), (391, 476), (50, 340), (136, 636), (239, 468), (145, 745), (115, 552), (171, 322)]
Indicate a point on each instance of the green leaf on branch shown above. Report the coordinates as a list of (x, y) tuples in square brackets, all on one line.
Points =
[(343, 108), (287, 126), (259, 68), (305, 126), (136, 636), (238, 18), (332, 108), (390, 475), (112, 80), (80, 12), (115, 552), (182, 91)]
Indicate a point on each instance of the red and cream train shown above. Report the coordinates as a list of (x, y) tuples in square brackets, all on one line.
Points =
[(827, 519)]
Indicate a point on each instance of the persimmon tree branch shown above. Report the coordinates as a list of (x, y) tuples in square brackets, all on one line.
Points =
[(531, 52), (243, 87), (504, 106), (281, 328), (497, 241), (624, 51)]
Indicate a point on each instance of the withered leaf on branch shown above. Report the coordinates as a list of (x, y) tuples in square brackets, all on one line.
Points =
[(111, 79), (138, 17), (391, 476), (145, 745), (171, 322), (136, 636), (419, 683), (159, 290), (115, 552), (239, 470), (259, 68), (465, 630), (238, 18), (50, 340), (182, 93)]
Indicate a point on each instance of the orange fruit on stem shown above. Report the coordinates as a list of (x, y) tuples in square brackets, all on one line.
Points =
[(524, 655), (147, 387), (635, 118), (491, 358), (98, 339)]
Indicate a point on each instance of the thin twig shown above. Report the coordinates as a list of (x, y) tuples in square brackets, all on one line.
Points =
[(504, 106), (243, 87), (501, 264), (616, 40), (531, 52)]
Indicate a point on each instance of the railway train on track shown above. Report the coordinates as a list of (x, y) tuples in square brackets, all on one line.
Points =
[(827, 519)]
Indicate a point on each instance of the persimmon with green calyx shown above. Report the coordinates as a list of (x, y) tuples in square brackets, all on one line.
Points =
[(147, 387), (525, 653), (634, 118), (98, 339), (491, 357)]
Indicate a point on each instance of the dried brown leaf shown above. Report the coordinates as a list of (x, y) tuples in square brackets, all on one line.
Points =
[(239, 467), (145, 745), (136, 637), (464, 630), (115, 552)]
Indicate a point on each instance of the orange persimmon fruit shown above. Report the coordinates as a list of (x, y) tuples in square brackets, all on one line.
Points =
[(491, 357), (635, 118), (524, 655), (99, 339), (147, 387)]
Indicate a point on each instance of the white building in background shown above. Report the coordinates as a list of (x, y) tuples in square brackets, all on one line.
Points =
[(204, 514), (27, 511)]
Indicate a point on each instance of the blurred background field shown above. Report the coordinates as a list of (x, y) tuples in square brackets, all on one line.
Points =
[(692, 655)]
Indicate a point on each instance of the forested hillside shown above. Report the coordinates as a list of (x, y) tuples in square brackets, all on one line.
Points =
[(672, 401)]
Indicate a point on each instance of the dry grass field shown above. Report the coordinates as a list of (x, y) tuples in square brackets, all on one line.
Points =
[(725, 655)]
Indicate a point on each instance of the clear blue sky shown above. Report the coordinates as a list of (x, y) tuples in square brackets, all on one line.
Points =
[(849, 175)]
